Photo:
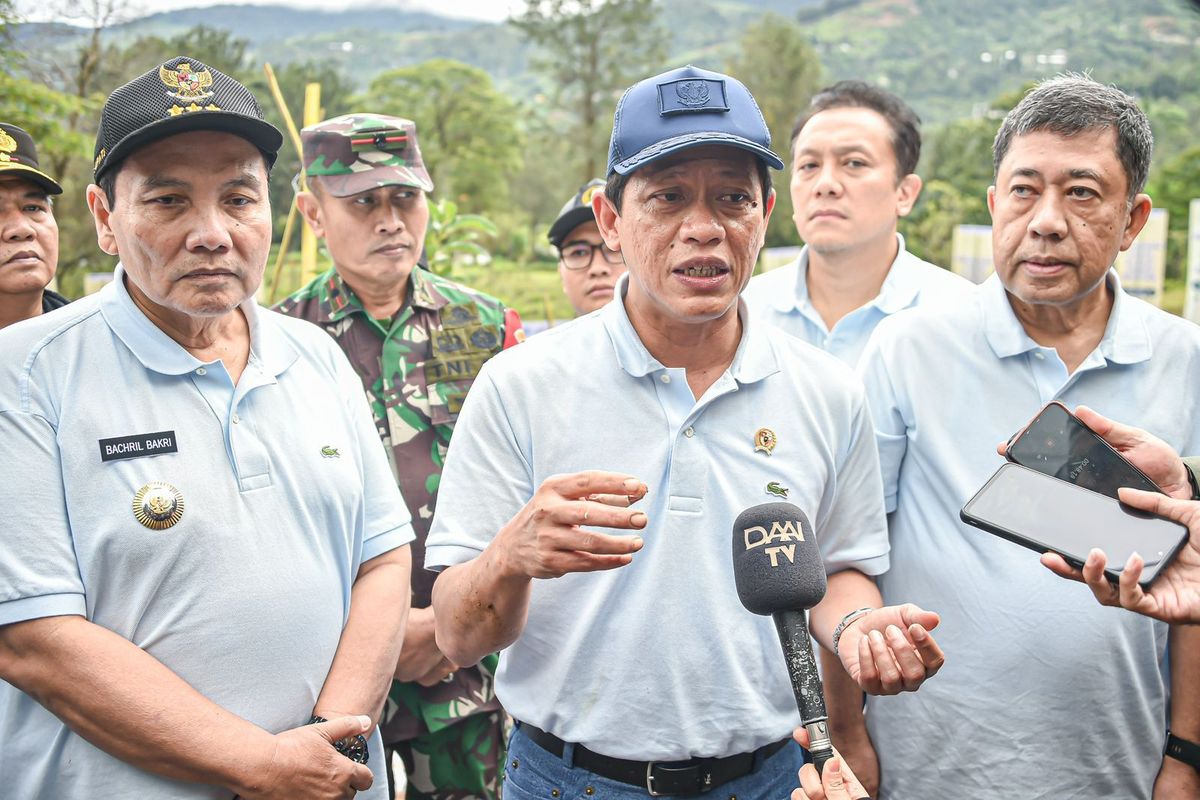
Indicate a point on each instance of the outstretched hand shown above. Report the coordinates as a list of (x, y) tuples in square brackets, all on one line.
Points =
[(890, 649)]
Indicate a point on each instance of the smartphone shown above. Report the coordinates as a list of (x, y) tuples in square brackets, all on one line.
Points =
[(1044, 514), (1057, 443)]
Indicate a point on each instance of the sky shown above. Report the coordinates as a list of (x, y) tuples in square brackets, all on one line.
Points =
[(493, 10)]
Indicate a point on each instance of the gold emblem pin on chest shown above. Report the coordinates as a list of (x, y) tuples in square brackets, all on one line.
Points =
[(158, 505), (765, 441)]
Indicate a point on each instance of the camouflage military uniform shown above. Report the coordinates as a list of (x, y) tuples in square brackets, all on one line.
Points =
[(416, 369)]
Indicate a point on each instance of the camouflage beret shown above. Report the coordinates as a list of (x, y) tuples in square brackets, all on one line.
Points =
[(355, 153)]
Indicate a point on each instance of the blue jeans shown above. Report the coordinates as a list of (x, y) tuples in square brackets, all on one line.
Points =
[(531, 773)]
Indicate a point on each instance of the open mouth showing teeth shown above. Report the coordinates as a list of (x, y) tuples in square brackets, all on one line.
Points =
[(703, 272)]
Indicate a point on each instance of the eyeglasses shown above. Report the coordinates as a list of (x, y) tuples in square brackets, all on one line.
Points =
[(579, 255)]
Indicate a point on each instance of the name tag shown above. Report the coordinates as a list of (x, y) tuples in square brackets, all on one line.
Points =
[(138, 445)]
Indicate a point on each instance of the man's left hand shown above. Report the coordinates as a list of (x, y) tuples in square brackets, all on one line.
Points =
[(1177, 781), (890, 650)]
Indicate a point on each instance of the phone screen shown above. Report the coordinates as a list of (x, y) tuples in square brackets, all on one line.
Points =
[(1058, 444), (1046, 513)]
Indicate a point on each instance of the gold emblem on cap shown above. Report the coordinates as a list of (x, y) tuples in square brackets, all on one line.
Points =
[(765, 440), (586, 198), (158, 505), (99, 158), (7, 145), (190, 85)]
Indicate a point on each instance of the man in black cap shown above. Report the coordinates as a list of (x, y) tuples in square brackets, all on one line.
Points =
[(196, 494), (588, 268), (28, 232)]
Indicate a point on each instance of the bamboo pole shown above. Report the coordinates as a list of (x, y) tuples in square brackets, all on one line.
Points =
[(284, 242), (308, 240)]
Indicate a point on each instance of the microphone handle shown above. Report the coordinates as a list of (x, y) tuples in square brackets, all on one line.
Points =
[(792, 628)]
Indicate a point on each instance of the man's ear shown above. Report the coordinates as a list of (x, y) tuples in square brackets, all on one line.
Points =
[(310, 209), (907, 193), (97, 203), (1139, 213), (608, 220), (991, 202)]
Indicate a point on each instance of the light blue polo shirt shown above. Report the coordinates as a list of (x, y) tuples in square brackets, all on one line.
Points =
[(658, 659), (780, 298), (245, 597), (1044, 693)]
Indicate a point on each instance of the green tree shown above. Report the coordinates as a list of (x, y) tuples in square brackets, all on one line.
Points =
[(781, 69), (588, 52), (468, 130), (451, 234), (1173, 186)]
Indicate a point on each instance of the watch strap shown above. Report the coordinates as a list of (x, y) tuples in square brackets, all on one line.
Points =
[(353, 747), (1183, 750), (1192, 465)]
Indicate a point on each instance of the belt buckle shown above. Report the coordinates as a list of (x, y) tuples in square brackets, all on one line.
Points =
[(706, 780)]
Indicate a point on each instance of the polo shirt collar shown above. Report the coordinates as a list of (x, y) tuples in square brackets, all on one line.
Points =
[(754, 360), (341, 301), (899, 289), (1126, 338), (159, 352)]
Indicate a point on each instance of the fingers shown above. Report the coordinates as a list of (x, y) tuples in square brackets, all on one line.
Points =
[(810, 784), (600, 515), (343, 727), (1182, 511), (437, 674), (1129, 592), (931, 656), (1097, 581), (1059, 566), (915, 615), (801, 737), (1114, 433), (578, 485), (361, 778), (620, 500)]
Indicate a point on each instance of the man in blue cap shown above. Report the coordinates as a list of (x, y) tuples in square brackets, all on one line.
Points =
[(638, 672)]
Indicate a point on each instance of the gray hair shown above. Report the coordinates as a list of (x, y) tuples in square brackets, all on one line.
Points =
[(1071, 103)]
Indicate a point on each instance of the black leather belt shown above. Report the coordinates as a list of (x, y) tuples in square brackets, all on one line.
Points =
[(659, 778)]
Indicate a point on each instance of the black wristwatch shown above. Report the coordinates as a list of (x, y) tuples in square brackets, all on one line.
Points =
[(1195, 487), (1183, 750), (353, 748)]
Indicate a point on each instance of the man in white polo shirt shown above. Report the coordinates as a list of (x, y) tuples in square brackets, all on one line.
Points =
[(1049, 695), (638, 671), (204, 548), (854, 160)]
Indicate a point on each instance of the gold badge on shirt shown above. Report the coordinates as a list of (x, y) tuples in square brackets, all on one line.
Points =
[(765, 441), (158, 505)]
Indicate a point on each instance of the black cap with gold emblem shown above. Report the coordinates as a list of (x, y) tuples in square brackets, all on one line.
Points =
[(18, 154), (178, 96)]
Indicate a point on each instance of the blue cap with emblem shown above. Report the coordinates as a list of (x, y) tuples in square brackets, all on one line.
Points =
[(686, 107)]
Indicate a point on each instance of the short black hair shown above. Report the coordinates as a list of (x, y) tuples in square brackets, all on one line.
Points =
[(614, 186), (904, 122)]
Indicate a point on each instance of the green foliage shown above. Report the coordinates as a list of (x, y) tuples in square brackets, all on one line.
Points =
[(467, 129), (451, 234), (782, 71), (1174, 185), (588, 52)]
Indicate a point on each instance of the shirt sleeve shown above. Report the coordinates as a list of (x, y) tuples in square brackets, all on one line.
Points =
[(891, 431), (39, 575), (486, 481), (852, 529), (386, 521)]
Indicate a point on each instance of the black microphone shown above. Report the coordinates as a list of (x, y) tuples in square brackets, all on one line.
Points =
[(778, 570)]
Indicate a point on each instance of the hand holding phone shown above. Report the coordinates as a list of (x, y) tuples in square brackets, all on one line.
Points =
[(1058, 443), (1047, 514)]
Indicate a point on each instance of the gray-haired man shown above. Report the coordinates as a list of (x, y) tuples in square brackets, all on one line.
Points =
[(1048, 695)]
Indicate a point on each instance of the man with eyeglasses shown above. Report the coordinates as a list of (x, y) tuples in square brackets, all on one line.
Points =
[(417, 341), (588, 268)]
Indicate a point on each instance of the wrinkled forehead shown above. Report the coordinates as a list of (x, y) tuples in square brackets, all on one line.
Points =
[(196, 156)]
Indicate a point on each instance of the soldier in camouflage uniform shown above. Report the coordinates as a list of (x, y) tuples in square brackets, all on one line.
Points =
[(417, 340)]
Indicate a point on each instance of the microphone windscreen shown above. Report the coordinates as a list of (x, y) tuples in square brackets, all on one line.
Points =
[(776, 562)]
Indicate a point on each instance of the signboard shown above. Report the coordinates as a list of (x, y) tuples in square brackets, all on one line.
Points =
[(971, 253), (1144, 265)]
